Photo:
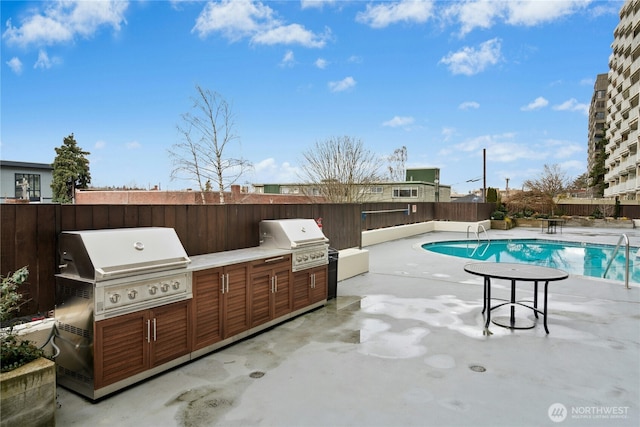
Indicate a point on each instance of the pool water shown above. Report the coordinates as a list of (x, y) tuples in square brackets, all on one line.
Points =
[(586, 259)]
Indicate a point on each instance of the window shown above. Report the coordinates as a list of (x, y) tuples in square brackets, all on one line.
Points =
[(405, 192), (372, 190), (32, 186), (601, 94)]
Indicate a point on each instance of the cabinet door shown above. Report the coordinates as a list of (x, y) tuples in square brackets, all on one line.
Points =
[(206, 306), (282, 298), (301, 289), (121, 348), (235, 300), (169, 328), (261, 284), (318, 289)]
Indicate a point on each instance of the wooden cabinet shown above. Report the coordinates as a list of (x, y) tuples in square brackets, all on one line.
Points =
[(127, 345), (220, 304), (270, 287), (309, 286)]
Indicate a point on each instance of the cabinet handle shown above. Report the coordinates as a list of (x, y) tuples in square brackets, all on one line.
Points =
[(227, 282), (155, 338), (271, 284), (222, 281), (276, 281), (148, 331), (313, 280), (274, 259)]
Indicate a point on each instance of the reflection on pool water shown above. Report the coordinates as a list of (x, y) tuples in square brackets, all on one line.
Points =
[(587, 259)]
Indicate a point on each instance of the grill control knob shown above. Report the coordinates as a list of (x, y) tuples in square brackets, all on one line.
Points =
[(114, 298), (164, 287), (306, 257), (175, 285), (299, 258), (153, 290), (132, 294)]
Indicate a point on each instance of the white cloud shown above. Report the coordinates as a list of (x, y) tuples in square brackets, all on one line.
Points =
[(384, 14), (398, 121), (133, 145), (447, 133), (269, 171), (502, 148), (238, 19), (321, 63), (62, 21), (563, 149), (486, 13), (317, 4), (355, 59), (291, 34), (537, 103), (342, 85), (468, 105), (15, 64), (44, 61), (100, 145), (288, 60), (532, 12), (470, 61), (573, 105)]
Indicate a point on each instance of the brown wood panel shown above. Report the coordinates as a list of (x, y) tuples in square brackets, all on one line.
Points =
[(207, 315), (121, 348), (7, 239), (26, 250), (84, 217), (100, 217), (171, 339), (47, 236), (144, 216), (236, 300), (157, 216), (116, 216)]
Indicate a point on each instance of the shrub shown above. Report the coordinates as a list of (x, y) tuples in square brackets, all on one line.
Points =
[(14, 352)]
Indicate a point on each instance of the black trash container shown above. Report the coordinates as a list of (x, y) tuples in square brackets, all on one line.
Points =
[(332, 280)]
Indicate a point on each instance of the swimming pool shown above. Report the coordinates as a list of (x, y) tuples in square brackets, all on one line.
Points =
[(586, 259)]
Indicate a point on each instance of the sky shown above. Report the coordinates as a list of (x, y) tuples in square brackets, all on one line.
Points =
[(448, 80)]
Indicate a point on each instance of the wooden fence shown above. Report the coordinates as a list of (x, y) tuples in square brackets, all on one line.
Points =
[(29, 232)]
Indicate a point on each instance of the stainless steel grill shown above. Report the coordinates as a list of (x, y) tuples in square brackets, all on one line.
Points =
[(303, 236), (107, 273)]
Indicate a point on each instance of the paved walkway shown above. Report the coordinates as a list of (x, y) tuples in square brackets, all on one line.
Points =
[(402, 345)]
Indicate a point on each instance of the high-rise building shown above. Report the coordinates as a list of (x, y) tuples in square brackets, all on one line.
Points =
[(596, 149), (623, 164)]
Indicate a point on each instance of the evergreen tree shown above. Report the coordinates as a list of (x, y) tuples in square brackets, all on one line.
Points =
[(70, 170)]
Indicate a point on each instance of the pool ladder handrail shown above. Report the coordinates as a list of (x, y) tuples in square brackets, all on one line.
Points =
[(477, 233), (622, 238)]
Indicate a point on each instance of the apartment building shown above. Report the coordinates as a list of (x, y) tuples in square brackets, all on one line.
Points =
[(596, 141), (622, 165)]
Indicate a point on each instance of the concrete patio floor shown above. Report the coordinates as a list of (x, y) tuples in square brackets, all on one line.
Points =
[(402, 345)]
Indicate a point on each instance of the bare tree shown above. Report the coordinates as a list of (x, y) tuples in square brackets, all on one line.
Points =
[(396, 165), (205, 134), (341, 168), (552, 181)]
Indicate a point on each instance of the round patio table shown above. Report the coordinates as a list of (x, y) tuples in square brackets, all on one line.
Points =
[(514, 272)]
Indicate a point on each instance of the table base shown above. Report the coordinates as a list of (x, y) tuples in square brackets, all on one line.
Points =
[(518, 322)]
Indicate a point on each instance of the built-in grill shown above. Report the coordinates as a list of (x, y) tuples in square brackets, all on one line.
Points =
[(304, 237), (108, 273)]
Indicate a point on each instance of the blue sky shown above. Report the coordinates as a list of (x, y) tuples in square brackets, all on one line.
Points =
[(446, 79)]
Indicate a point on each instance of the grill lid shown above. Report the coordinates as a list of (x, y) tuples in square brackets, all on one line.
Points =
[(108, 254), (290, 233)]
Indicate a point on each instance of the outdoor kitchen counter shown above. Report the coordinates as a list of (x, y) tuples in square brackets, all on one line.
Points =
[(237, 256)]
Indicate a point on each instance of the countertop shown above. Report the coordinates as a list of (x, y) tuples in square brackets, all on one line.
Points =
[(220, 259)]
